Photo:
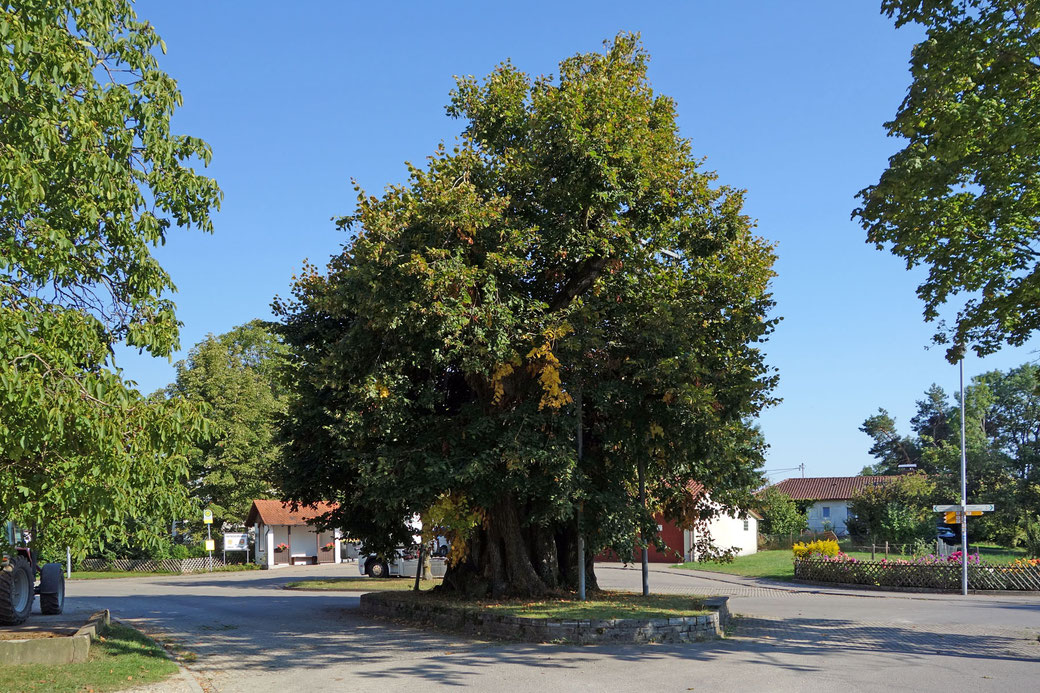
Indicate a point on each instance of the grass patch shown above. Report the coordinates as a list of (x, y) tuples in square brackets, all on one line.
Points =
[(775, 565), (604, 604), (109, 574), (122, 658), (362, 584)]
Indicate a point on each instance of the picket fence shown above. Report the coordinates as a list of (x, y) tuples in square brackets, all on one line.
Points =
[(940, 576), (145, 565)]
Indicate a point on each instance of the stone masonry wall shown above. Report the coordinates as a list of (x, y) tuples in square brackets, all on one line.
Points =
[(589, 631)]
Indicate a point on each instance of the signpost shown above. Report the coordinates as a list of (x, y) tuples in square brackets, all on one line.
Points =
[(207, 517)]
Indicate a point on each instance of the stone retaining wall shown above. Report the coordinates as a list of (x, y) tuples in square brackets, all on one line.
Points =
[(488, 624)]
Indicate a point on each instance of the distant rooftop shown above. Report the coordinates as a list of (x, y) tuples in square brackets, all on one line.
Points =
[(829, 487)]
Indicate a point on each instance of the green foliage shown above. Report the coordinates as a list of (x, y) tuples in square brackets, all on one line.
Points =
[(890, 449), (1031, 535), (90, 179), (568, 246), (820, 547), (234, 378), (897, 511), (780, 514), (958, 198)]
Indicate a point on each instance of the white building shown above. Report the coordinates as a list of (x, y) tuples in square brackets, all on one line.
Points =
[(830, 496), (284, 537)]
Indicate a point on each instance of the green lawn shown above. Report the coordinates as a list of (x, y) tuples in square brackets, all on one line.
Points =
[(361, 584), (776, 565), (600, 605), (122, 658)]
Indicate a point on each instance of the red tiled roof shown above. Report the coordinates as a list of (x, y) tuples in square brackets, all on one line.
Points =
[(829, 487), (275, 512)]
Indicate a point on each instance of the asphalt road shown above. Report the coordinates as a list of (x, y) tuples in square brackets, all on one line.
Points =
[(248, 634)]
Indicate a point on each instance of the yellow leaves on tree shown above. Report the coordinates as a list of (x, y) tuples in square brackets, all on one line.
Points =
[(547, 366)]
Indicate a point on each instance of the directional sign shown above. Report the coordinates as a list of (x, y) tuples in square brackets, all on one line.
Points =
[(956, 508), (207, 516)]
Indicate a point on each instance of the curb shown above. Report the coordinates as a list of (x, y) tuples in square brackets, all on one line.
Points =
[(52, 651)]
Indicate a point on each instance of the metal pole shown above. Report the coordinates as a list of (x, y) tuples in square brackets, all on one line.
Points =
[(646, 552), (209, 537), (68, 562), (964, 493), (581, 538)]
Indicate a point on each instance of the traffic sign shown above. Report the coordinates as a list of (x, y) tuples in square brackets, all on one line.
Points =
[(207, 516), (209, 544), (982, 508)]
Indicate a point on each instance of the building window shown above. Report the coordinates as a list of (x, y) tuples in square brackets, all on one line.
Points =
[(746, 525), (826, 511)]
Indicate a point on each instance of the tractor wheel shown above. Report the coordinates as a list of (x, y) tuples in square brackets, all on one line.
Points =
[(16, 592), (52, 588)]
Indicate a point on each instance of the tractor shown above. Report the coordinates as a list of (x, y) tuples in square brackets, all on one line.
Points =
[(18, 586)]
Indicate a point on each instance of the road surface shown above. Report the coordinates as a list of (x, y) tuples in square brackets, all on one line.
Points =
[(248, 634)]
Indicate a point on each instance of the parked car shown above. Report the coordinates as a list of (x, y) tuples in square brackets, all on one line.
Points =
[(404, 564), (947, 535)]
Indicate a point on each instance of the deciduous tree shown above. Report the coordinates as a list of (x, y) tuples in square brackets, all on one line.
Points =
[(91, 178), (959, 198), (567, 263), (234, 376)]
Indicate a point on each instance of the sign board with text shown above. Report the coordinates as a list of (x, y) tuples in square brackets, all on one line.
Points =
[(236, 542)]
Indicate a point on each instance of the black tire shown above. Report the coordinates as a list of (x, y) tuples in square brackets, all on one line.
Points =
[(16, 592), (52, 589), (376, 569)]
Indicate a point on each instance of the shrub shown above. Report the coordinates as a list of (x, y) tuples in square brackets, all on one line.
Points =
[(1031, 536), (821, 547)]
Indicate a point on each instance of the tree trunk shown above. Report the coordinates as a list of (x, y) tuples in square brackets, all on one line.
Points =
[(506, 560)]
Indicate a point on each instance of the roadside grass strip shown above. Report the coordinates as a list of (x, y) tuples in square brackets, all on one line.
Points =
[(121, 658), (601, 604), (362, 584)]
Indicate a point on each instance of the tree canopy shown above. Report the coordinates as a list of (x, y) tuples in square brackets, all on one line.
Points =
[(959, 197), (1002, 416), (91, 178), (234, 376), (567, 263)]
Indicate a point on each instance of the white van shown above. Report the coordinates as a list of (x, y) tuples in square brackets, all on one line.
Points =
[(405, 563)]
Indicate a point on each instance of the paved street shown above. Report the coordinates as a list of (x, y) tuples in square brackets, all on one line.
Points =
[(248, 634)]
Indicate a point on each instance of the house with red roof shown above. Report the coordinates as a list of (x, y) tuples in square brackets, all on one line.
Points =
[(727, 530), (830, 496), (284, 536)]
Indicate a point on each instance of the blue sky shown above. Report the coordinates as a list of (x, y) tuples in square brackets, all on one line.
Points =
[(786, 100)]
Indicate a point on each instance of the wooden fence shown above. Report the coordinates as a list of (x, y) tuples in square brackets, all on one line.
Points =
[(169, 565), (941, 576)]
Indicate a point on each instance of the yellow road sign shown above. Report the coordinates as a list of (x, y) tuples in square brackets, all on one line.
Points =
[(210, 544)]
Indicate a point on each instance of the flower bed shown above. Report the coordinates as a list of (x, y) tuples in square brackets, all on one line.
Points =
[(928, 572)]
